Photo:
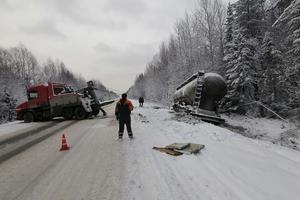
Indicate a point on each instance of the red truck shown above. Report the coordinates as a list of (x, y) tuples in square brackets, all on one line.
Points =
[(46, 101)]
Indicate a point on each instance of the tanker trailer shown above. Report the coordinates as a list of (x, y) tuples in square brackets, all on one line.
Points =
[(200, 95)]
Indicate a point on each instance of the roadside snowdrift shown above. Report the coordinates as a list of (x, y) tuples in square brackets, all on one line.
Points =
[(230, 167)]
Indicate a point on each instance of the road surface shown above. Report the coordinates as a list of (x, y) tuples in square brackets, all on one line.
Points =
[(92, 169), (99, 166)]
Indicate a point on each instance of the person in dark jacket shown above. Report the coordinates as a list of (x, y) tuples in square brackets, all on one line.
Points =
[(141, 101), (123, 111)]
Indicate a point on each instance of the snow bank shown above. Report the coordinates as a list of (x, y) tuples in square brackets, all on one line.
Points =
[(230, 167), (260, 127), (12, 127), (273, 130)]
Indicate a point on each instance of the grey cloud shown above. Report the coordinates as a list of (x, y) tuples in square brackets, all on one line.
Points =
[(133, 57), (44, 27), (131, 7), (72, 9), (4, 5), (103, 48), (113, 25)]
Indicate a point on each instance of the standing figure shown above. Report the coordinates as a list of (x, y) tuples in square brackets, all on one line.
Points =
[(123, 111), (141, 101)]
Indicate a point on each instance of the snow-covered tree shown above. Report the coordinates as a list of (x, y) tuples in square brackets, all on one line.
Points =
[(250, 16), (272, 85), (289, 23), (7, 106)]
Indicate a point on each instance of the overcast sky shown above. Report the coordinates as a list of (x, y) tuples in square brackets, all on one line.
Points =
[(109, 40)]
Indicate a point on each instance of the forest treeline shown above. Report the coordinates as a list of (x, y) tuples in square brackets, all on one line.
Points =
[(19, 69), (253, 44)]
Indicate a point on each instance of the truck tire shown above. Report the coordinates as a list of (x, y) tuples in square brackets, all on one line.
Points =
[(67, 113), (39, 116), (80, 113), (28, 117)]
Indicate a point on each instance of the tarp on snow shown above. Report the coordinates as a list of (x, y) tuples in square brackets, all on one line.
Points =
[(177, 149)]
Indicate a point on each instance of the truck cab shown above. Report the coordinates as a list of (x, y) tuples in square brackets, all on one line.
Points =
[(46, 101)]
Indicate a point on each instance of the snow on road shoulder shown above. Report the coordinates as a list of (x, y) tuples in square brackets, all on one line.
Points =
[(260, 127), (12, 127), (273, 130), (230, 167)]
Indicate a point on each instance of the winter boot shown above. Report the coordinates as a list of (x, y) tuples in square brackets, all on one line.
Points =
[(120, 135), (130, 135)]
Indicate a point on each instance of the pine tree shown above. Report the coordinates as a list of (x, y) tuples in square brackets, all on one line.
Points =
[(289, 22), (272, 81), (250, 15), (229, 24), (7, 106), (230, 57), (241, 75), (241, 52)]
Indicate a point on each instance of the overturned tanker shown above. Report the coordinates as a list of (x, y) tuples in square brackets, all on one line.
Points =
[(200, 95)]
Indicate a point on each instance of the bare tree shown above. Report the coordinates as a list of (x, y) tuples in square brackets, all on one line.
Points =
[(25, 63)]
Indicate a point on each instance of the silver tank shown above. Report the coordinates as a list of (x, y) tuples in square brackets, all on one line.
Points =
[(213, 90)]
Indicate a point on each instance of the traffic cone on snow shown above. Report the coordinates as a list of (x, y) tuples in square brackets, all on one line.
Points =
[(64, 144)]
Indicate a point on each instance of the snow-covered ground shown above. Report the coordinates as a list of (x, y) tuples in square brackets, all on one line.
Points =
[(100, 166), (260, 127), (12, 127), (273, 130), (230, 167)]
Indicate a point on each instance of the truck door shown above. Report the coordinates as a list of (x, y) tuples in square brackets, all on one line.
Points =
[(33, 101)]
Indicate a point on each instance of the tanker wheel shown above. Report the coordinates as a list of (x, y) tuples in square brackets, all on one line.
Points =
[(67, 113), (80, 113), (28, 117)]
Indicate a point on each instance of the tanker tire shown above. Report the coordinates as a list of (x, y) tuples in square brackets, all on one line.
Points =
[(28, 117), (67, 113), (80, 113)]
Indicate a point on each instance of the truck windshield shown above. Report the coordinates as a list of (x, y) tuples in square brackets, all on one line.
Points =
[(58, 90), (32, 95), (62, 90)]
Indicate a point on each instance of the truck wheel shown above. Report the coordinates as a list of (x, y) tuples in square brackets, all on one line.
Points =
[(67, 113), (39, 116), (28, 117), (80, 113)]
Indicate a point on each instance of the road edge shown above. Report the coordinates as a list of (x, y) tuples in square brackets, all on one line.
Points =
[(9, 150)]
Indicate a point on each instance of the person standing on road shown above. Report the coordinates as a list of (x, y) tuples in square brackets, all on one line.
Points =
[(141, 101), (123, 111)]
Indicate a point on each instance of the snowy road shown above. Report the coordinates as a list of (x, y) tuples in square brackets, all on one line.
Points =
[(92, 169), (98, 166)]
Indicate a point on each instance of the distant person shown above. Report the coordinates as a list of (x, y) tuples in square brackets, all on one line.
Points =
[(141, 101), (123, 111)]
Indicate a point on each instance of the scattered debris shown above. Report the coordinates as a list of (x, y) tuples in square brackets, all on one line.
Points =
[(189, 119), (177, 149), (168, 151), (143, 118), (156, 107), (290, 138)]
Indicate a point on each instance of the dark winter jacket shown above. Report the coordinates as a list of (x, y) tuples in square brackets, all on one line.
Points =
[(123, 108), (141, 100)]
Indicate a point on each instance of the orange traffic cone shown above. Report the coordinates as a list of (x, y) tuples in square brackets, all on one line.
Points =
[(64, 144)]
